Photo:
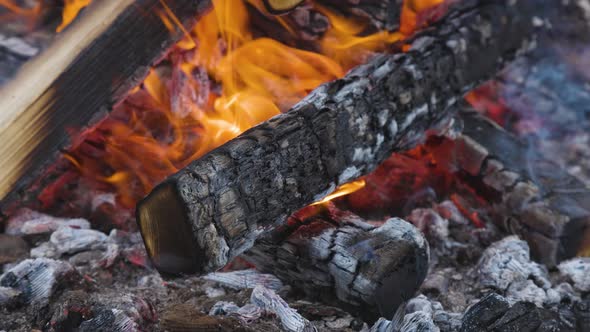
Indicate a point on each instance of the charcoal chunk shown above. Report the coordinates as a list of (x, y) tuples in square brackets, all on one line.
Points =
[(38, 279), (484, 313), (522, 317)]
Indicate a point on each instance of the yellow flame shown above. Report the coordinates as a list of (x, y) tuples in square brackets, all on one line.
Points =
[(71, 10), (223, 81), (343, 190)]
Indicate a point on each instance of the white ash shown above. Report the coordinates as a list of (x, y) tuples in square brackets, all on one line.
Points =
[(8, 295), (69, 240), (151, 281), (508, 261), (526, 291), (29, 222), (290, 319), (38, 278), (431, 223), (382, 325), (449, 211), (120, 312), (113, 320), (565, 292), (213, 292), (109, 256), (578, 271), (44, 250), (419, 321), (338, 324), (249, 313), (223, 308), (245, 279)]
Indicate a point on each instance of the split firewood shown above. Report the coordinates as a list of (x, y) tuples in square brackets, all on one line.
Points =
[(85, 71), (347, 261), (213, 210), (532, 196)]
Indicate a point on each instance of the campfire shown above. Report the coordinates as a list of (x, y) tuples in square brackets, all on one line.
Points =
[(294, 165)]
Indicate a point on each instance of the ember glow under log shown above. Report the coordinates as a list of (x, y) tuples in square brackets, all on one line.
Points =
[(199, 219)]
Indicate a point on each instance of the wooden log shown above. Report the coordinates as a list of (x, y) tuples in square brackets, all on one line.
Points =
[(86, 70), (382, 14), (347, 261), (531, 196), (214, 209)]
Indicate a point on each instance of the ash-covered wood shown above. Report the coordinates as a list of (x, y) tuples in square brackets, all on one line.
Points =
[(85, 71), (532, 196), (350, 262), (222, 202)]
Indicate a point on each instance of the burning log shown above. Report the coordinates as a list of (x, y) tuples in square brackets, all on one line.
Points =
[(80, 76), (356, 264), (532, 196), (214, 209)]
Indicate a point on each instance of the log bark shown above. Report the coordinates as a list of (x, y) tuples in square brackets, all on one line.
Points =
[(86, 70), (531, 196), (222, 202), (347, 261)]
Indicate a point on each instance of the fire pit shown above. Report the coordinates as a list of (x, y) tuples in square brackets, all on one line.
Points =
[(320, 165)]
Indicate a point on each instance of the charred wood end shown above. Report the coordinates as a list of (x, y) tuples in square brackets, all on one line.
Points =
[(166, 232)]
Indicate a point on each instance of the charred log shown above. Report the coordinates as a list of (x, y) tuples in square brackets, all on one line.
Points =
[(350, 262), (382, 14), (532, 196), (85, 71), (210, 212), (304, 23)]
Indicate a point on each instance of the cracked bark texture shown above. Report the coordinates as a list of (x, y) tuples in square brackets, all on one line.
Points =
[(338, 133), (532, 196), (352, 263)]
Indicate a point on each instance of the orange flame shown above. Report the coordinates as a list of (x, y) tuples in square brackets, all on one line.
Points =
[(221, 82), (71, 10), (343, 190)]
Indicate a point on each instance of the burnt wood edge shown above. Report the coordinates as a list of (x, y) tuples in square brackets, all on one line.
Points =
[(534, 197), (85, 89), (345, 128), (349, 263)]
